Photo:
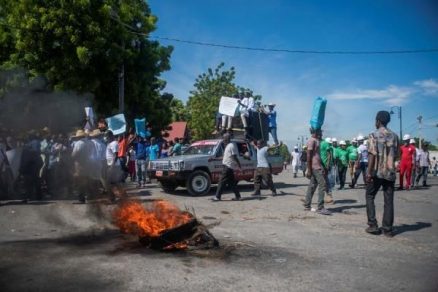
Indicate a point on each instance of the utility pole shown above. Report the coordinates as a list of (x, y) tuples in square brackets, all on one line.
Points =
[(420, 119), (122, 84)]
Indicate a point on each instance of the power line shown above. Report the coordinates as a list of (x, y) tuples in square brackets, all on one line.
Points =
[(386, 52), (132, 30)]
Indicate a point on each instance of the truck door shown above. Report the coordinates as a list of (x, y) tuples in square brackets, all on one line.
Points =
[(246, 158)]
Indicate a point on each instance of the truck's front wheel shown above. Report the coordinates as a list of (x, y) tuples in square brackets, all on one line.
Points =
[(198, 183)]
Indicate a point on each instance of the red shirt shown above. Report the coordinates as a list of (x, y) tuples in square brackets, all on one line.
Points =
[(123, 147), (407, 153)]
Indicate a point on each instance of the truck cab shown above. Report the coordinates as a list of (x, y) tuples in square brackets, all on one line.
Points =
[(200, 166)]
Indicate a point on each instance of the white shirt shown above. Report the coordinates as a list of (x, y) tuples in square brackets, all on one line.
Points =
[(424, 158), (262, 157), (99, 151), (363, 151), (227, 160), (111, 152), (296, 158), (247, 105)]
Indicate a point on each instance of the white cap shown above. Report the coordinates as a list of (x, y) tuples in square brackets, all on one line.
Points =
[(353, 140), (271, 104), (296, 147), (406, 137), (360, 138), (328, 140), (334, 140), (412, 141), (342, 143)]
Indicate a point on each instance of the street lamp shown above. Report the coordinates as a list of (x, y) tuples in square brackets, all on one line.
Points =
[(399, 111)]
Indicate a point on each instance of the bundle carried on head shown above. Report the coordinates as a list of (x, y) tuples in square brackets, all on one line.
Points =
[(318, 113)]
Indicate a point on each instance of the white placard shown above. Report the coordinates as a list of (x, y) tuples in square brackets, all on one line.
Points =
[(228, 106), (14, 158), (117, 124)]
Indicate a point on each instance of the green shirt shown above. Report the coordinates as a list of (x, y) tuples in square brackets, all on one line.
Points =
[(324, 148), (342, 156), (335, 151), (352, 153)]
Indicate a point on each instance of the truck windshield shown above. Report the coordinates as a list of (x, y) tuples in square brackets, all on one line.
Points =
[(200, 149)]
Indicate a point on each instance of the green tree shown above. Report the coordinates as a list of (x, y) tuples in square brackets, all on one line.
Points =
[(204, 100), (81, 45), (177, 108)]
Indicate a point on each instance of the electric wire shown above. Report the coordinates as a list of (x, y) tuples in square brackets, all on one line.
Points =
[(133, 30)]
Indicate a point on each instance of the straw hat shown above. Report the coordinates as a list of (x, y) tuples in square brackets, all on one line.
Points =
[(80, 134), (95, 133)]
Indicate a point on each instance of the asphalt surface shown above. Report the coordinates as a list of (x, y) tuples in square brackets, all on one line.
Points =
[(265, 245)]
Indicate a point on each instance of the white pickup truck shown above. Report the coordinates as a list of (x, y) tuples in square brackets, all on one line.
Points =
[(200, 166)]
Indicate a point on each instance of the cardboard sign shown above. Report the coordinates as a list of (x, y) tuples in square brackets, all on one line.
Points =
[(140, 127), (117, 124), (14, 158), (228, 106), (90, 118)]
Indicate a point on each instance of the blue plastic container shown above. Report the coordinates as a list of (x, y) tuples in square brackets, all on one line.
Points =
[(318, 113)]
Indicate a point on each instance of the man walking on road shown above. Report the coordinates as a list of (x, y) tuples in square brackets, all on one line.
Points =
[(263, 170), (383, 151), (326, 152), (424, 163), (316, 173), (352, 156), (230, 163), (296, 161), (361, 164), (342, 162), (408, 155)]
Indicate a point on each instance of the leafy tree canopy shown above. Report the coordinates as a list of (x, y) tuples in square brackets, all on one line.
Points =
[(80, 46), (204, 99)]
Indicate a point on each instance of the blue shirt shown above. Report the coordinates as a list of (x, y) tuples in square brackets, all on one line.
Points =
[(141, 151), (153, 152), (272, 117)]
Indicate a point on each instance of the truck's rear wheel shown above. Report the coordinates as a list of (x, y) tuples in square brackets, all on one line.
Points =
[(198, 183), (167, 186)]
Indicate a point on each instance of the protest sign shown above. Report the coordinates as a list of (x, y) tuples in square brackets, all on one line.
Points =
[(228, 106), (90, 118), (14, 158), (117, 124), (140, 127)]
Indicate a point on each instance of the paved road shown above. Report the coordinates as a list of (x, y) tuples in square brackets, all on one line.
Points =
[(266, 245)]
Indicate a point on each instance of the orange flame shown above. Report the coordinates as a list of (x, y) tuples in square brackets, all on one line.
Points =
[(132, 217)]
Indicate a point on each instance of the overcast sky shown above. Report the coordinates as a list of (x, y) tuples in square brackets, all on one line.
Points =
[(356, 86)]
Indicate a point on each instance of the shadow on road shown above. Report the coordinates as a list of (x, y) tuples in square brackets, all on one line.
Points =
[(411, 227), (345, 201), (11, 203), (343, 208)]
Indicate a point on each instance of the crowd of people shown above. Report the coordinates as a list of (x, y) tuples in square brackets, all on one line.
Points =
[(97, 160), (377, 158), (43, 164)]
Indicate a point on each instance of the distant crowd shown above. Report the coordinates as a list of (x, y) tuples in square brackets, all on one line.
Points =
[(42, 164)]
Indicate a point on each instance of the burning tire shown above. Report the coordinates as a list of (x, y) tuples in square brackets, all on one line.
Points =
[(167, 186), (198, 183)]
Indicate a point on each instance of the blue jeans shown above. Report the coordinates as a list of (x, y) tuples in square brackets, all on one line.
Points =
[(424, 170), (273, 131), (141, 170), (331, 174)]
